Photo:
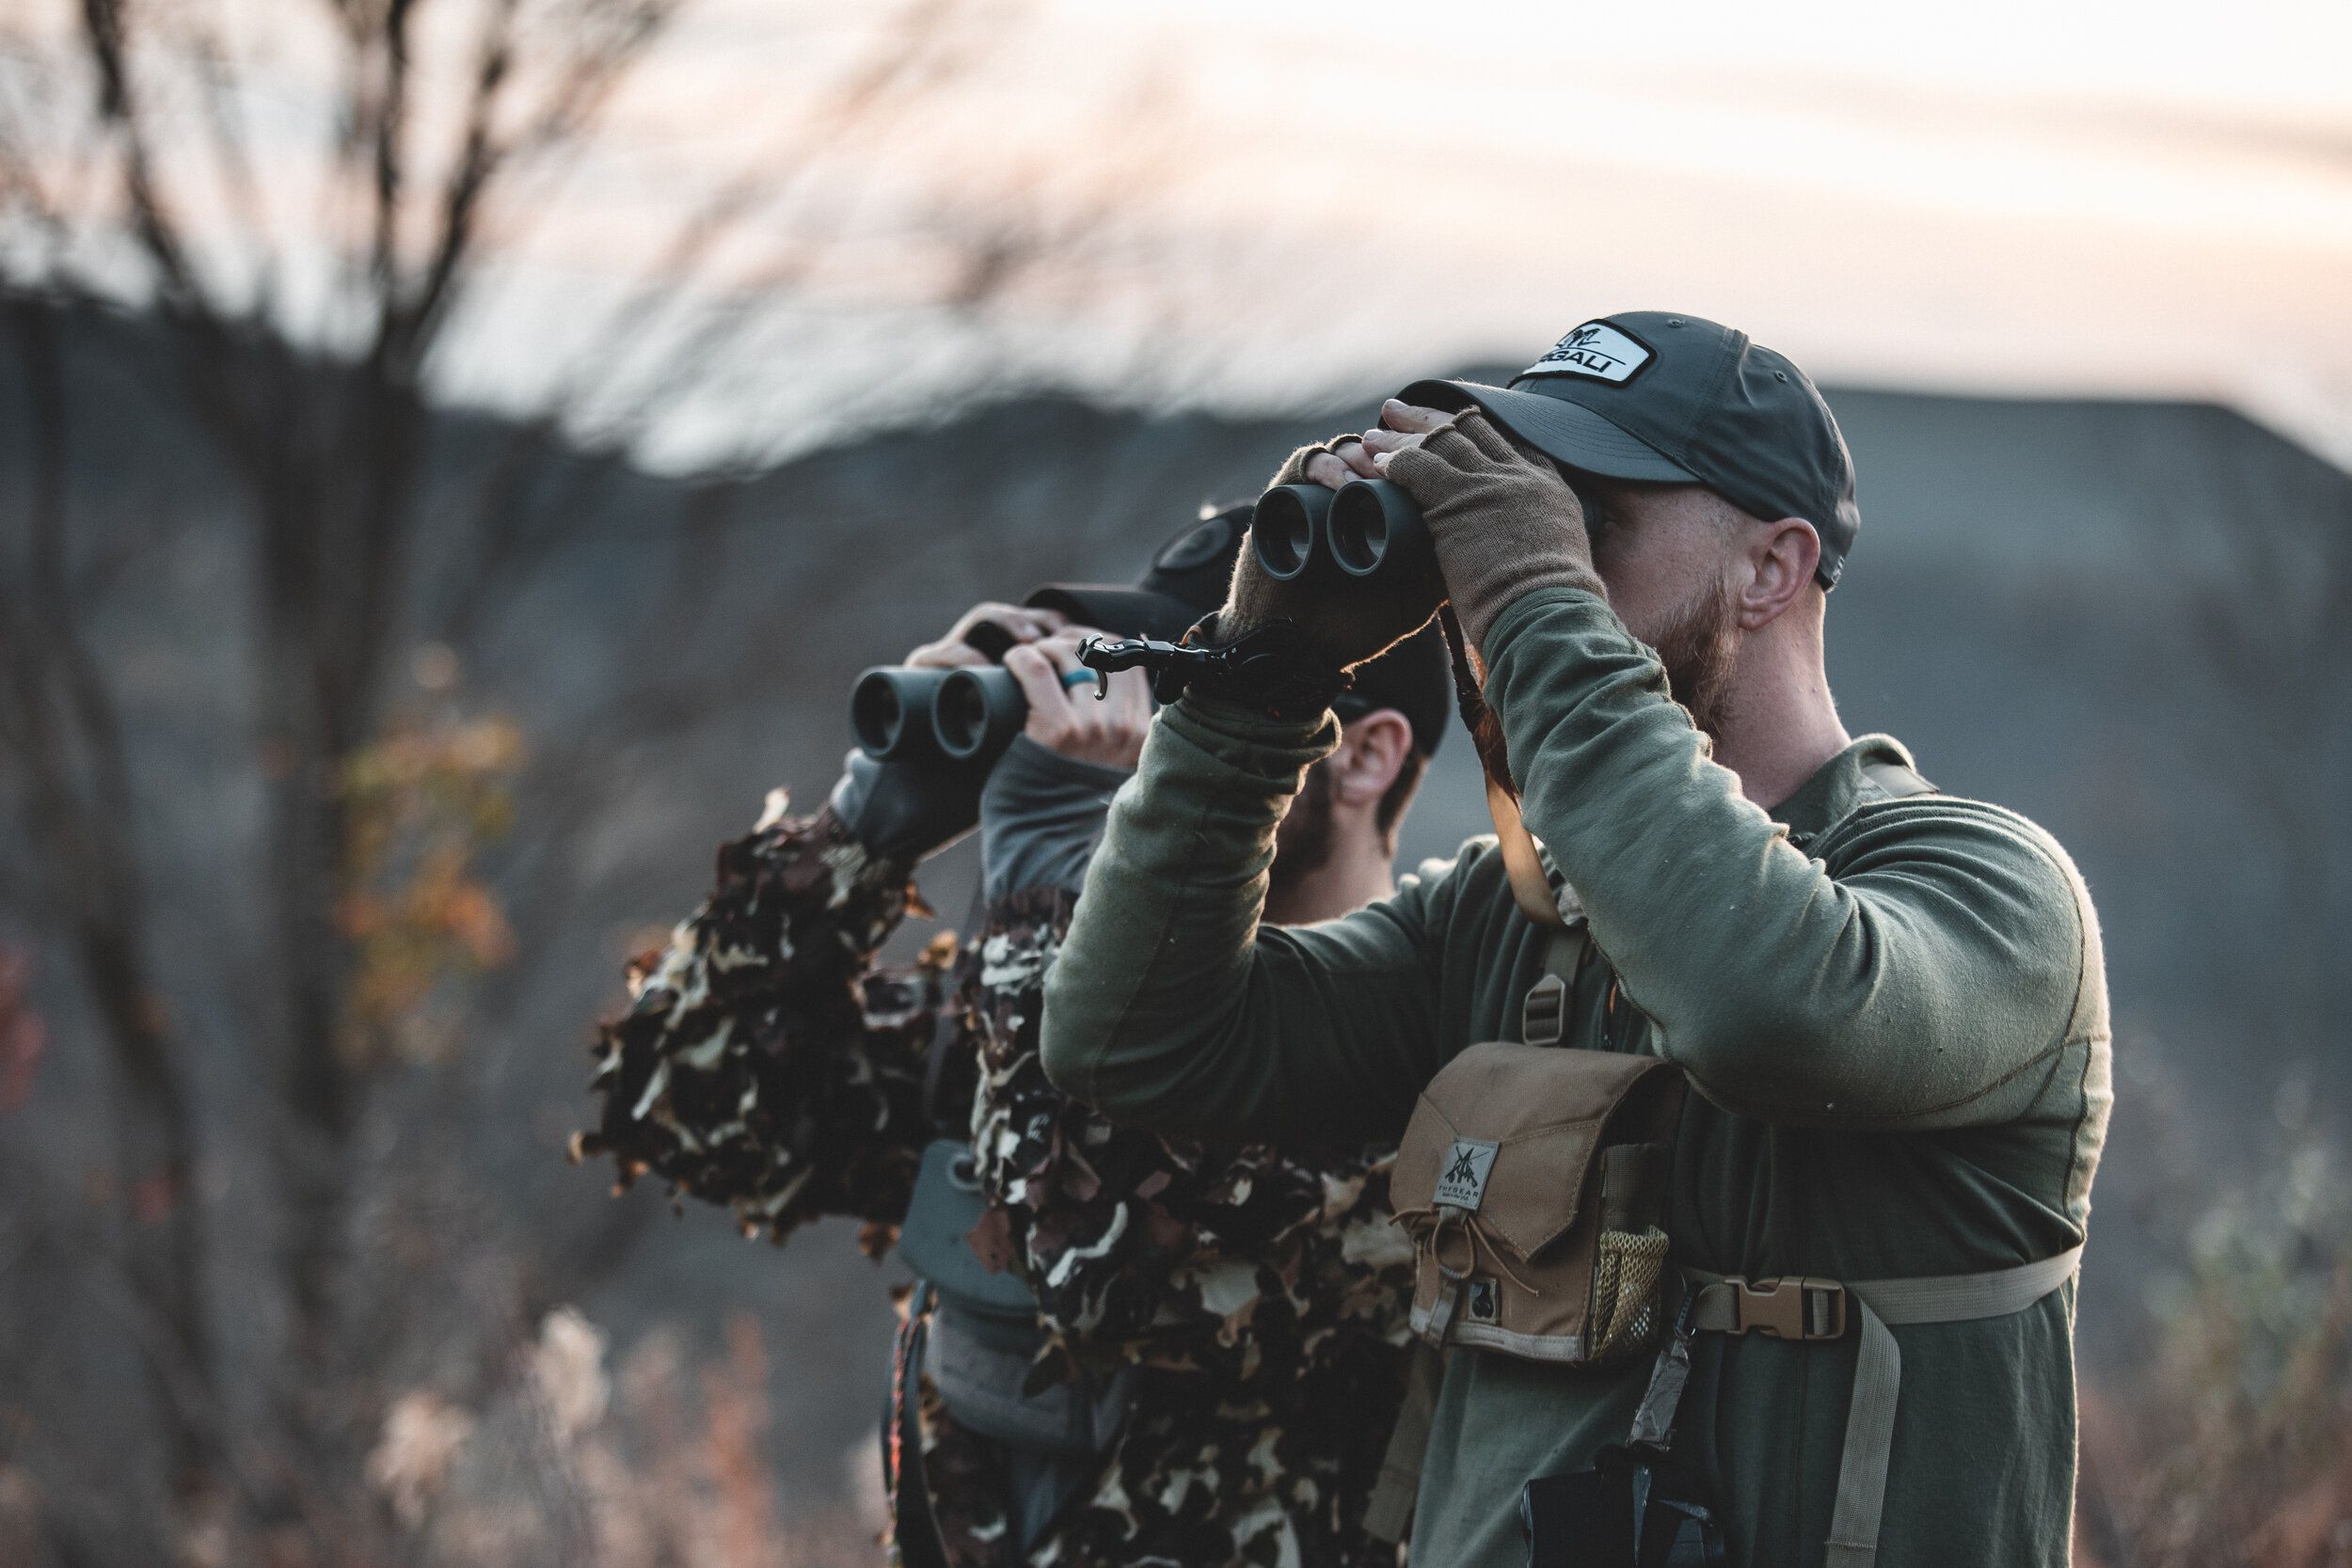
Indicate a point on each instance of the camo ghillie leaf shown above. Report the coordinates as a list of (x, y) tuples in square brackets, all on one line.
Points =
[(762, 1064)]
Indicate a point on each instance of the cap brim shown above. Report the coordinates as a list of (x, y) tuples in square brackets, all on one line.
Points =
[(1565, 432), (1119, 610)]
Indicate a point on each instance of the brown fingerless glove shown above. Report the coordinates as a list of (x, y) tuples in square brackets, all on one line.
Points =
[(1503, 520)]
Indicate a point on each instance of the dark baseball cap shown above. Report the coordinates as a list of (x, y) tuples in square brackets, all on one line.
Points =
[(1416, 679), (1680, 400), (1187, 579), (1189, 576)]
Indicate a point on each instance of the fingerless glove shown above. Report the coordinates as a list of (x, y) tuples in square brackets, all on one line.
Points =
[(1503, 520)]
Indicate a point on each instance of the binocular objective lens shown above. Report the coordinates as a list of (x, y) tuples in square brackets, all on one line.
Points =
[(1298, 538), (963, 716), (1289, 538), (1360, 540), (877, 714), (1282, 529)]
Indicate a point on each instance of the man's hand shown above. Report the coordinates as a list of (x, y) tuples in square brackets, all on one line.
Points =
[(1336, 463), (1403, 427), (907, 810), (955, 651), (1064, 716), (1330, 464), (1345, 458), (1503, 520)]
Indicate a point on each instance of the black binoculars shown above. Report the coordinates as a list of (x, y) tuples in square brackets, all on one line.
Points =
[(903, 715), (1369, 529)]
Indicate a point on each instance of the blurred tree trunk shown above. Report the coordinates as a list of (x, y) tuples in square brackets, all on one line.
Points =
[(61, 720), (431, 137)]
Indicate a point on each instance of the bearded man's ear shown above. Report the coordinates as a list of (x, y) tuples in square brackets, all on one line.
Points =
[(1372, 751), (1783, 561)]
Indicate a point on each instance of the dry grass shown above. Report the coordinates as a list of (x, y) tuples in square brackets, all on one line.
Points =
[(2229, 1445), (662, 1464)]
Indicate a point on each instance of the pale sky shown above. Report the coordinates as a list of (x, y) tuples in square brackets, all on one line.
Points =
[(2032, 196), (2134, 196)]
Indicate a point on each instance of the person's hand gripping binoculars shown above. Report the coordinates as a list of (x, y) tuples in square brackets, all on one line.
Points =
[(934, 725), (999, 672), (1360, 540)]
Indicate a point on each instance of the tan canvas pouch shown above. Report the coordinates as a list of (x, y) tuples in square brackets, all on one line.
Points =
[(1533, 1181)]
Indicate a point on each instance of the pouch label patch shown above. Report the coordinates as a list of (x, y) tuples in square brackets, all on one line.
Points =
[(1596, 349), (1462, 1174), (1485, 1303)]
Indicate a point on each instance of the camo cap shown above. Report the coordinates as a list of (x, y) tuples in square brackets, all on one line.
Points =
[(1679, 400)]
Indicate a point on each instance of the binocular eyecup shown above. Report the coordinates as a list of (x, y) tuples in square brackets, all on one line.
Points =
[(1368, 528), (952, 716)]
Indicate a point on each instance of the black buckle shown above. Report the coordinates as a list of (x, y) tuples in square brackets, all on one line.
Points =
[(1107, 656), (1270, 667)]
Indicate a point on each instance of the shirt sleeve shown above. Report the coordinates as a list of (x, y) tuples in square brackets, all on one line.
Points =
[(1042, 815), (1916, 976), (1170, 1008)]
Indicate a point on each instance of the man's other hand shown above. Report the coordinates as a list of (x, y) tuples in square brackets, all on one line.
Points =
[(1403, 427), (1064, 716), (955, 651), (1331, 464)]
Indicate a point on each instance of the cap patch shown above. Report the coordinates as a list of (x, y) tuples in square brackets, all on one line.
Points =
[(1596, 349)]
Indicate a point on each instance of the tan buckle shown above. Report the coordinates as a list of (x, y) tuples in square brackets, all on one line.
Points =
[(1544, 1016), (1796, 1308)]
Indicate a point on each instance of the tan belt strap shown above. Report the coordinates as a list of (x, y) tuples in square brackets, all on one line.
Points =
[(1806, 1307)]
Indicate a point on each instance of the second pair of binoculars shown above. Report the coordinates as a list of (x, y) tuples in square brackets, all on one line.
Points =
[(1368, 530), (907, 714)]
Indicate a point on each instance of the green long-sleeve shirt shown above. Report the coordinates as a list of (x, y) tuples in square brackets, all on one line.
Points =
[(1893, 1012)]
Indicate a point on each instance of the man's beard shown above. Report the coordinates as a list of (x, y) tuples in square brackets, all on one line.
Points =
[(1303, 841), (1698, 648)]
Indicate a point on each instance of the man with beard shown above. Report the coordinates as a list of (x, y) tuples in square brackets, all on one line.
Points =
[(1888, 1004)]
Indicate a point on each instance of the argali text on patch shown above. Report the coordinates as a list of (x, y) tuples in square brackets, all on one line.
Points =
[(1462, 1176), (1596, 349)]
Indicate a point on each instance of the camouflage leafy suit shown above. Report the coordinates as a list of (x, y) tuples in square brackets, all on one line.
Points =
[(765, 1064)]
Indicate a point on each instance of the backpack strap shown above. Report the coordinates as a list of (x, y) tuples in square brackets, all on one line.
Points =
[(1543, 1011)]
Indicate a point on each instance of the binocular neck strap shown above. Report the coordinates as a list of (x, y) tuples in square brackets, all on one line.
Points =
[(1531, 886)]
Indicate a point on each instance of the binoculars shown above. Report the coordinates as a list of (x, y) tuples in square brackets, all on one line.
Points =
[(954, 716), (1368, 530)]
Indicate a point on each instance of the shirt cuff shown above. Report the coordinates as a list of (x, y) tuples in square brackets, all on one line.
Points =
[(1042, 815)]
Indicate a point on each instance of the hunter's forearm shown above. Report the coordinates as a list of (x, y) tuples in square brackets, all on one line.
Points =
[(1171, 1007)]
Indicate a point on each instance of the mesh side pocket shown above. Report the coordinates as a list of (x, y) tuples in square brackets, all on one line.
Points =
[(1627, 1271)]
